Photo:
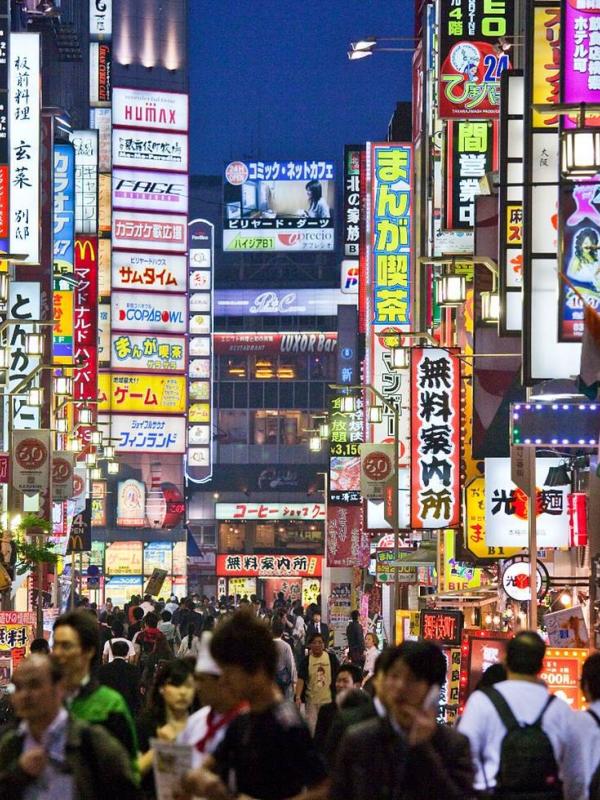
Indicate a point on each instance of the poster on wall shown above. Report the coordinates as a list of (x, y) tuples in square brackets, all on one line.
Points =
[(471, 61)]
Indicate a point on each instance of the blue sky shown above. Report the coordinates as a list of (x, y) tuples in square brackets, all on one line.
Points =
[(271, 79)]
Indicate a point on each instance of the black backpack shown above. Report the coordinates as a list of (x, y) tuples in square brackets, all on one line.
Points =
[(528, 768)]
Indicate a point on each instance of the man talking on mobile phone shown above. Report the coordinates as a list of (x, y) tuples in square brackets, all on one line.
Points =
[(405, 755)]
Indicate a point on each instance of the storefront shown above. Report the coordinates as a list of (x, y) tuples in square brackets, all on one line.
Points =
[(297, 576)]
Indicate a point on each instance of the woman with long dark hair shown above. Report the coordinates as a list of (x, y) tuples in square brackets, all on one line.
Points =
[(190, 644), (166, 713), (317, 205)]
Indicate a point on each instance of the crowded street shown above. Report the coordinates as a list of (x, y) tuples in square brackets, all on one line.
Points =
[(299, 400)]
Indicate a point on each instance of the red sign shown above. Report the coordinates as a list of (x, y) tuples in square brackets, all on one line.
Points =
[(31, 454), (435, 442), (86, 318), (347, 543), (4, 467), (231, 344), (243, 566), (578, 526), (444, 627), (4, 190), (561, 672)]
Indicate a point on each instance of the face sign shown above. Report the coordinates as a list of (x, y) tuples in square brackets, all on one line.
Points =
[(402, 689), (68, 651), (178, 698), (36, 696)]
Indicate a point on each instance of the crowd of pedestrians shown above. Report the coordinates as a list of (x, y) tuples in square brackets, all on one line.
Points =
[(271, 712)]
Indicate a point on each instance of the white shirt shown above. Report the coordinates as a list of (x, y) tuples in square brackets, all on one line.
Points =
[(147, 607), (196, 729), (107, 653), (481, 723), (589, 733), (53, 783), (371, 654)]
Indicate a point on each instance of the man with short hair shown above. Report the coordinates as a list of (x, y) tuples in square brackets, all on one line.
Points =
[(206, 728), (52, 754), (317, 626), (348, 677), (287, 673), (405, 755), (267, 752), (137, 613), (588, 724), (76, 646), (316, 679), (122, 676), (523, 700), (356, 640)]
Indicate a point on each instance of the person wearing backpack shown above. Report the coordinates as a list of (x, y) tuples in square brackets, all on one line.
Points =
[(147, 640), (524, 741), (286, 674), (588, 724)]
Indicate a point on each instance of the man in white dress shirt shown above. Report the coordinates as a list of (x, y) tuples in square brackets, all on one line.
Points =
[(526, 696)]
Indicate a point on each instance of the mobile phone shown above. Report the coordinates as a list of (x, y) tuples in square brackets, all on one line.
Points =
[(432, 698)]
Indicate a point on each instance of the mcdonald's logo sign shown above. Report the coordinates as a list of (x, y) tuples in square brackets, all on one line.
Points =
[(86, 251), (80, 536)]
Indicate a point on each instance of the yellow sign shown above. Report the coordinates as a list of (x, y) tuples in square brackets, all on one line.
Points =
[(311, 589), (147, 394), (245, 587), (407, 626), (546, 63), (457, 576), (199, 412), (514, 225), (63, 330), (475, 524), (123, 558)]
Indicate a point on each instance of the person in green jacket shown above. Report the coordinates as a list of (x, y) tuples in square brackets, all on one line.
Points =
[(76, 647)]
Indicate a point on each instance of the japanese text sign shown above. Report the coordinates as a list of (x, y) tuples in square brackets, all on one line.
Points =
[(545, 62), (267, 565), (146, 394), (160, 313), (580, 76), (86, 318), (308, 511), (443, 627), (146, 231), (136, 108), (475, 524), (150, 272), (150, 150), (347, 545), (345, 436), (506, 506), (145, 353), (86, 181), (391, 186), (24, 302), (24, 129), (435, 461), (147, 434), (469, 155), (470, 65), (352, 204), (64, 208), (149, 191)]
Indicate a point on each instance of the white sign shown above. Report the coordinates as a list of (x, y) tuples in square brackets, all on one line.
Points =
[(261, 302), (100, 119), (85, 144), (150, 150), (101, 19), (350, 271), (147, 434), (516, 580), (145, 231), (24, 138), (104, 333), (522, 466), (164, 111), (23, 304), (506, 507), (149, 272), (30, 472), (150, 191), (257, 510), (165, 313), (269, 240), (147, 352)]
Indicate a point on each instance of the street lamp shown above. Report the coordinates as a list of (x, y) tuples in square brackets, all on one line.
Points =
[(85, 416), (34, 344), (490, 307), (348, 404), (35, 397), (314, 444), (112, 467)]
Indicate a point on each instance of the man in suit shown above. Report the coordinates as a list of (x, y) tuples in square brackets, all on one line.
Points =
[(348, 677), (405, 754), (122, 676), (316, 626)]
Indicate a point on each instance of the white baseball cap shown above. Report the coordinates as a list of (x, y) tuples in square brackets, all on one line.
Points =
[(205, 662)]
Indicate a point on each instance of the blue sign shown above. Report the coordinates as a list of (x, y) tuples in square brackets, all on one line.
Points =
[(64, 209)]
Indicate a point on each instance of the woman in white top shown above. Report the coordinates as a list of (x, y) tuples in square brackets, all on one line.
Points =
[(190, 644), (371, 653)]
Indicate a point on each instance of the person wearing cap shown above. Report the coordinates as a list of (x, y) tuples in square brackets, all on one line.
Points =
[(206, 728)]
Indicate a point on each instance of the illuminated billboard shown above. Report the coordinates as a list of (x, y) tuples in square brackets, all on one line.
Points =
[(279, 206), (145, 231), (162, 313), (136, 108), (137, 433), (149, 272), (150, 150), (147, 352), (146, 394), (149, 191)]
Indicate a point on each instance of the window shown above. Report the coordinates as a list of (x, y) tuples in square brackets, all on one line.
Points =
[(225, 395), (232, 427)]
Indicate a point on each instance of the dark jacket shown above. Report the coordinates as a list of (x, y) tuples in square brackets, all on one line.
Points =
[(123, 678), (356, 642), (311, 630), (303, 673), (375, 762), (342, 720), (324, 721), (100, 766)]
